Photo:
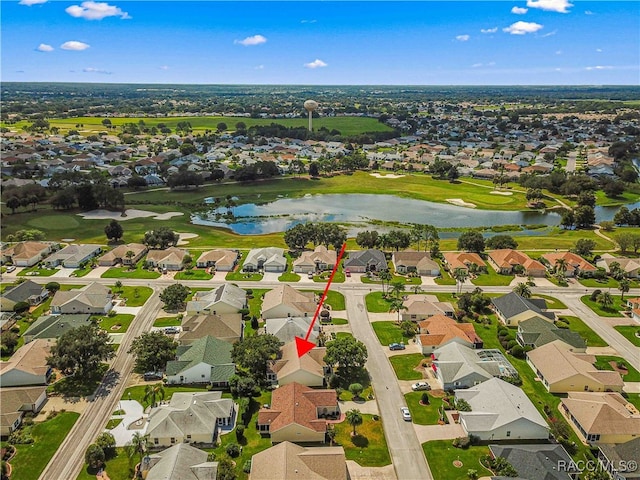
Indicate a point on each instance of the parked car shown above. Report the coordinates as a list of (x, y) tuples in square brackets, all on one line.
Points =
[(171, 330), (11, 268), (310, 275), (152, 376), (406, 414), (396, 346), (347, 272), (420, 386)]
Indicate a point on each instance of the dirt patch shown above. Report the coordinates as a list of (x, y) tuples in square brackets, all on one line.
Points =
[(388, 175), (460, 203), (621, 371)]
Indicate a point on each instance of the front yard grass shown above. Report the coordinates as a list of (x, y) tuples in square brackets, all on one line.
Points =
[(37, 272), (441, 454), (423, 414), (126, 272), (552, 302), (376, 303), (137, 392), (335, 300), (612, 311), (388, 332), (404, 366), (591, 337), (255, 303), (193, 274), (602, 363), (134, 296), (289, 277), (368, 447), (30, 460), (444, 278), (116, 468), (592, 282), (167, 322), (629, 332), (339, 277), (122, 319), (492, 278)]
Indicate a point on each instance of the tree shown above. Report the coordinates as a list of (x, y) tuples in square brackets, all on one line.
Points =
[(94, 456), (622, 216), (254, 353), (184, 179), (136, 181), (242, 386), (624, 241), (113, 231), (52, 287), (585, 216), (129, 255), (397, 305), (81, 350), (354, 417), (21, 307), (471, 241), (367, 239), (13, 203), (584, 247), (398, 239), (561, 266), (523, 290), (152, 351), (605, 299), (408, 328), (586, 197), (453, 174), (226, 469), (501, 241), (384, 276), (107, 442), (298, 236), (117, 286), (356, 389), (623, 286), (460, 275), (174, 296), (398, 287), (152, 393), (314, 171), (140, 444), (348, 353), (8, 341), (161, 237), (188, 148)]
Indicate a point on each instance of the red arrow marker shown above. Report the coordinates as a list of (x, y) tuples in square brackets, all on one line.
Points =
[(303, 345)]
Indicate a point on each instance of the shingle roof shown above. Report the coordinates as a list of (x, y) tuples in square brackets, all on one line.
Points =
[(289, 361), (12, 399), (219, 256), (319, 254), (30, 358), (538, 331), (421, 260), (603, 413), (512, 304), (73, 253), (267, 255), (288, 461), (21, 292), (181, 462), (227, 327), (227, 294), (171, 255), (92, 295), (425, 305), (363, 258), (52, 326), (209, 350), (286, 329), (284, 294), (626, 451), (539, 462), (121, 251), (26, 250)]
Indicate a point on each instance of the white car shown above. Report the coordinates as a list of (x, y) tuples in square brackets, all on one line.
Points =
[(406, 414), (420, 386), (11, 268)]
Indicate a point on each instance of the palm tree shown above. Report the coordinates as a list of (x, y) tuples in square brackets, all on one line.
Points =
[(561, 266), (385, 276), (129, 255), (460, 275), (331, 434), (623, 287), (354, 417), (397, 287), (605, 299), (152, 393), (130, 452), (118, 286), (416, 289), (140, 444), (523, 290), (397, 306)]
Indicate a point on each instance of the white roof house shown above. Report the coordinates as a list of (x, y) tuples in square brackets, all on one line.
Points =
[(269, 259), (226, 298)]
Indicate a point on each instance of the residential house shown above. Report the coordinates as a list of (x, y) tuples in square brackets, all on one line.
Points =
[(298, 413), (94, 298), (319, 260), (458, 366), (536, 332), (7, 320), (285, 301), (415, 262), (288, 328), (226, 326), (288, 461), (226, 298), (634, 306), (364, 261), (574, 264), (561, 370), (464, 260), (507, 261), (50, 327), (501, 411), (602, 417), (439, 330), (511, 308), (630, 266), (222, 260), (180, 462), (421, 307), (72, 256), (268, 259), (26, 254), (207, 360), (16, 402), (190, 418), (118, 255), (27, 366), (29, 292), (309, 370), (170, 258), (539, 461), (615, 459)]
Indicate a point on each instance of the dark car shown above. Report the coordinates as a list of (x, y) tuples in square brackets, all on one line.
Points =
[(396, 346), (152, 376)]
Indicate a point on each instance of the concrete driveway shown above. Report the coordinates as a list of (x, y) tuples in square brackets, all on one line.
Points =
[(357, 472), (134, 420), (96, 272), (63, 273), (370, 406), (426, 433), (271, 276)]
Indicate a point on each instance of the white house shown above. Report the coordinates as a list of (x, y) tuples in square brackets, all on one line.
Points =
[(226, 298), (285, 301), (269, 259)]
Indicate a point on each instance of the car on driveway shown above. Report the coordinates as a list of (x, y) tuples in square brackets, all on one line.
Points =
[(148, 376), (347, 272), (171, 330), (310, 275), (396, 346), (420, 386), (11, 268), (406, 414)]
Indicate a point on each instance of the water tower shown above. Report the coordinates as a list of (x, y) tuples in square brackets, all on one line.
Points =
[(310, 106)]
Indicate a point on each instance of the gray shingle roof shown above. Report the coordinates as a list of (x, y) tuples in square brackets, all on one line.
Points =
[(512, 304), (538, 331), (539, 462), (366, 257)]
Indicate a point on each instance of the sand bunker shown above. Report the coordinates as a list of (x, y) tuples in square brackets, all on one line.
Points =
[(460, 203), (184, 238), (130, 214), (388, 175), (497, 192)]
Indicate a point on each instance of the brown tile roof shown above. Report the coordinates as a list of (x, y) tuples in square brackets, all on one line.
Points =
[(26, 250), (441, 329), (572, 260), (463, 259), (507, 258)]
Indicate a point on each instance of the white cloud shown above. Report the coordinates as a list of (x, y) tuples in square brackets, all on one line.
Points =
[(598, 50), (96, 11), (259, 67), (600, 67), (558, 52), (519, 10), (74, 45), (308, 21), (559, 6), (250, 41), (522, 28), (478, 65), (43, 47), (489, 30), (588, 12), (549, 34), (317, 63), (463, 38), (164, 67), (28, 3), (96, 70)]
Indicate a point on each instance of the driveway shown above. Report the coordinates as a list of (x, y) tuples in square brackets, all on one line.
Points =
[(96, 272), (271, 276), (356, 472), (134, 420), (426, 433), (370, 406), (129, 310), (63, 273)]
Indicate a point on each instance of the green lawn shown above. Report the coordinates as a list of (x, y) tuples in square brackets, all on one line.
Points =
[(552, 302), (591, 337), (493, 279), (255, 303), (30, 460), (137, 392), (334, 299), (441, 454), (613, 311), (122, 319), (117, 468), (135, 296), (388, 332), (423, 414), (592, 282), (126, 272), (167, 322), (404, 366), (376, 303), (369, 447), (629, 332), (444, 278), (602, 363), (339, 321), (81, 272), (39, 272), (394, 278), (113, 423), (194, 274), (289, 277), (634, 398), (324, 277)]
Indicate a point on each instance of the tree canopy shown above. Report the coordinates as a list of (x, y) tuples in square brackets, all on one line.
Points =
[(113, 231), (347, 353), (161, 237), (498, 242), (174, 296), (81, 350), (471, 241), (152, 351), (254, 353)]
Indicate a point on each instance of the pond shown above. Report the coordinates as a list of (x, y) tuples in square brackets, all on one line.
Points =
[(360, 210)]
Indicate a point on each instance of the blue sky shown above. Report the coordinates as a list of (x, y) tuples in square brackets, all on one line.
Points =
[(526, 42)]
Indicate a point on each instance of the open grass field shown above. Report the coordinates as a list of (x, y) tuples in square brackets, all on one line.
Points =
[(578, 326), (30, 460), (404, 366), (629, 332), (369, 447), (441, 454), (612, 311)]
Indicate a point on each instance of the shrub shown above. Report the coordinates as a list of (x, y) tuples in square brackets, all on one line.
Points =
[(594, 295), (425, 398), (462, 442), (240, 432), (233, 450), (517, 351), (246, 467)]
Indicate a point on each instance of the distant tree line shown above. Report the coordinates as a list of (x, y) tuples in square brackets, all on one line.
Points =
[(327, 234)]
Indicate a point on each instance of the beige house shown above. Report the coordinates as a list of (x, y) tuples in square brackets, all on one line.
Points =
[(227, 326), (415, 262), (308, 370), (285, 301), (562, 370), (439, 330), (317, 261), (630, 266), (421, 307), (298, 413), (26, 254), (227, 298), (599, 417), (27, 366), (574, 264), (463, 260), (94, 298), (118, 255), (505, 260), (288, 461), (221, 259), (16, 402), (180, 462), (169, 258)]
